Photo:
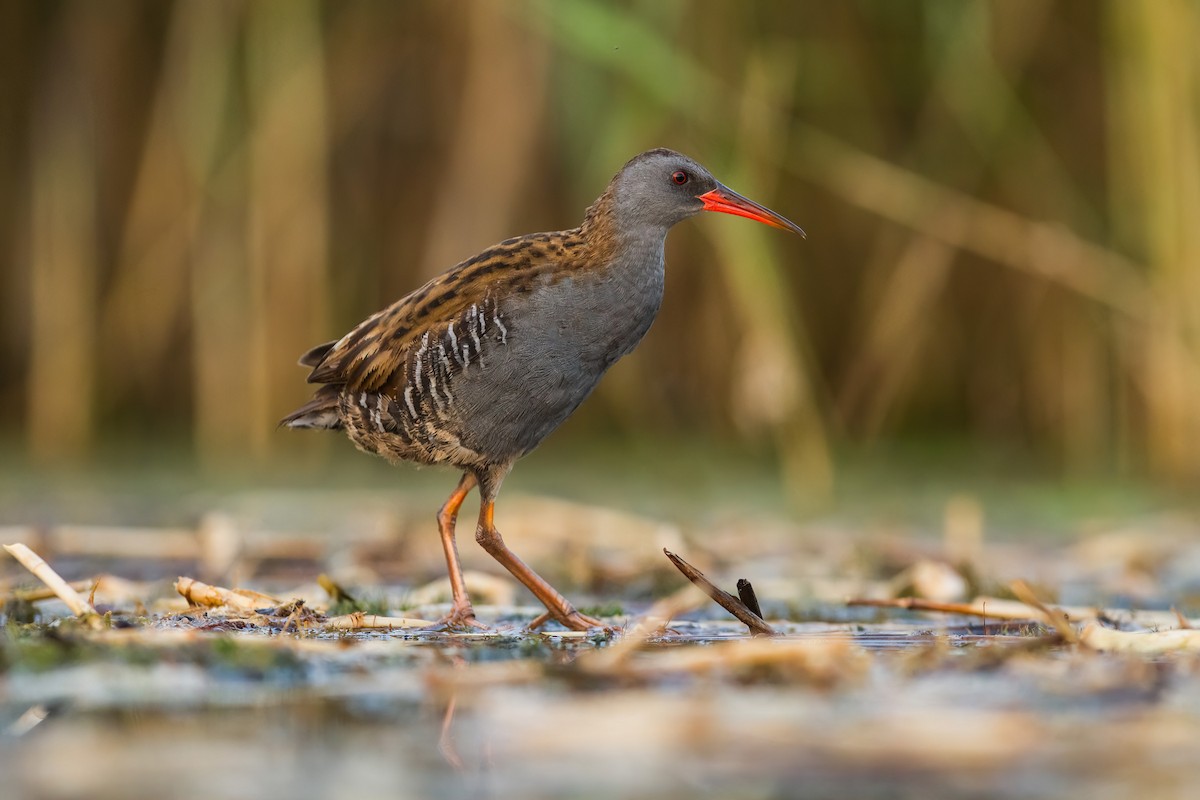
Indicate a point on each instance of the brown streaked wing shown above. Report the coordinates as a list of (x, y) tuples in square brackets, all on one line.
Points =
[(367, 357)]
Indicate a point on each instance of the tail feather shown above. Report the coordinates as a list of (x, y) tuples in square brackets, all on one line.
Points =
[(319, 412), (314, 356)]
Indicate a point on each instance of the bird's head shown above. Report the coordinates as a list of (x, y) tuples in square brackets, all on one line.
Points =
[(662, 187)]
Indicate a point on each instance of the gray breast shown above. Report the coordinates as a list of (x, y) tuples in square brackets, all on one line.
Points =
[(563, 335)]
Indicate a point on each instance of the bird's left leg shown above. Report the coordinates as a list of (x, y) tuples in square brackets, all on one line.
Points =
[(489, 539), (462, 613)]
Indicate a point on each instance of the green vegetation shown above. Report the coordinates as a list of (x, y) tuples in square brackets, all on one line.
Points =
[(371, 605), (609, 609)]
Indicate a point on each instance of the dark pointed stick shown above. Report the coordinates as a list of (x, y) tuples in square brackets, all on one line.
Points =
[(747, 596), (722, 598)]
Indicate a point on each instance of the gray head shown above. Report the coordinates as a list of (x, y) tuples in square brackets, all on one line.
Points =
[(661, 187)]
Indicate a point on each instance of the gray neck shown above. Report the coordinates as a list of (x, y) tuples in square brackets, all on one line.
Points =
[(633, 287), (628, 292)]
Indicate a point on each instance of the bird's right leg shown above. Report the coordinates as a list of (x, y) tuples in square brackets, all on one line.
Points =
[(462, 614), (556, 605)]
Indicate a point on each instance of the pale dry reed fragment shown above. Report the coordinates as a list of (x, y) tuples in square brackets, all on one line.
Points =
[(46, 574), (202, 594)]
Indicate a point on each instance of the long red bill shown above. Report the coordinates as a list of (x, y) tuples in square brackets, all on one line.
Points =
[(726, 200)]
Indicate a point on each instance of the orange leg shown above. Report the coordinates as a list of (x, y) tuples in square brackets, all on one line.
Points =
[(462, 613), (557, 605)]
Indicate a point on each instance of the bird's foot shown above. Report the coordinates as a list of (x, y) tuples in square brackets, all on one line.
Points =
[(573, 620), (461, 617)]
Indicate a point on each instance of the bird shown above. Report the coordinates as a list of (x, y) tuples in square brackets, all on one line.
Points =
[(475, 368)]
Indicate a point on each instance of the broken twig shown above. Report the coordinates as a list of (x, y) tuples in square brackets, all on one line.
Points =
[(360, 621), (334, 589), (46, 574), (1097, 637), (202, 594), (1184, 622), (1054, 617), (722, 598), (33, 716), (42, 593), (983, 607)]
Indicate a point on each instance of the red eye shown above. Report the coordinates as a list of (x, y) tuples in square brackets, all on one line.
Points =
[(679, 178)]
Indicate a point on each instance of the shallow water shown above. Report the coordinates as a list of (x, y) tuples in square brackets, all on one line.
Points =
[(918, 709)]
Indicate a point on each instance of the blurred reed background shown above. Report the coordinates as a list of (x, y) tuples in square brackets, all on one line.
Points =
[(1002, 197)]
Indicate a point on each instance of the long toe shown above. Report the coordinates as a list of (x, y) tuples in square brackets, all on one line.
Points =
[(575, 621), (581, 622), (460, 618)]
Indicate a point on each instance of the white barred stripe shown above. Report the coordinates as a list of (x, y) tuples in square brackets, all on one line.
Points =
[(503, 330)]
